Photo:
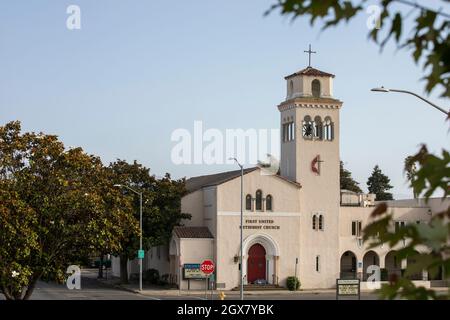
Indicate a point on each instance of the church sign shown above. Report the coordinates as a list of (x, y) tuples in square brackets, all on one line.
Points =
[(193, 271), (348, 287), (260, 224)]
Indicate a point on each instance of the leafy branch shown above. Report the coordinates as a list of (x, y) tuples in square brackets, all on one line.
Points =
[(429, 40)]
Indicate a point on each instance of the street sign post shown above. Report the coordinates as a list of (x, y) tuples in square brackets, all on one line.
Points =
[(212, 280), (296, 264), (141, 254), (207, 267)]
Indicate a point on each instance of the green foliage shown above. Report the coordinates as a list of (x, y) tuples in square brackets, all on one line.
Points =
[(17, 241), (161, 206), (151, 276), (378, 183), (56, 207), (410, 170), (429, 40), (164, 281), (426, 245), (434, 172), (346, 180), (292, 283)]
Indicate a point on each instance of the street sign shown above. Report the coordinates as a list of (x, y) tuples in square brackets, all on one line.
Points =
[(141, 254), (207, 267)]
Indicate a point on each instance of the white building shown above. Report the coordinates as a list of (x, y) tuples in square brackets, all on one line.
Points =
[(298, 215)]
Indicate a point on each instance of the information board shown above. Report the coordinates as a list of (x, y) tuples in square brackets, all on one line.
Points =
[(348, 287), (193, 271)]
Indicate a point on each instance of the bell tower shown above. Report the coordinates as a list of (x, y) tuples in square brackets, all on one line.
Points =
[(310, 156), (309, 122)]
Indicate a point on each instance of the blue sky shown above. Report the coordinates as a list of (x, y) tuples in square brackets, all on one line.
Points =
[(137, 70)]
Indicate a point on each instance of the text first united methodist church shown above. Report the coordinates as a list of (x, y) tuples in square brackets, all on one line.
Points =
[(298, 221)]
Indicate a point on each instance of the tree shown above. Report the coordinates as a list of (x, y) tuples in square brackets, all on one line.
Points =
[(428, 244), (429, 39), (161, 208), (378, 183), (56, 206), (346, 180), (410, 170)]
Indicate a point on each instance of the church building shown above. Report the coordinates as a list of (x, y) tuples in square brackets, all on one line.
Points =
[(297, 222)]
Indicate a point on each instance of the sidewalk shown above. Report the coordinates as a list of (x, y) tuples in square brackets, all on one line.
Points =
[(158, 291), (149, 290), (176, 292)]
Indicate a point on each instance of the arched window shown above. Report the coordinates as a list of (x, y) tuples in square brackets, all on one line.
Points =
[(248, 202), (318, 130), (314, 222), (328, 129), (288, 131), (315, 88), (318, 263), (269, 204), (291, 88), (321, 222), (259, 200), (307, 128)]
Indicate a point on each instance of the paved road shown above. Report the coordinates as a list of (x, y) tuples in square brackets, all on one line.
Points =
[(304, 296), (91, 289)]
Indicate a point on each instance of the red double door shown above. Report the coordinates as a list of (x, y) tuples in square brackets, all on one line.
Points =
[(256, 263)]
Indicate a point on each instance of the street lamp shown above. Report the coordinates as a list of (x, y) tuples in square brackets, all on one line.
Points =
[(385, 90), (140, 226), (242, 218)]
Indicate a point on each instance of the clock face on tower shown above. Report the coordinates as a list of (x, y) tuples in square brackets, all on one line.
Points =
[(307, 130)]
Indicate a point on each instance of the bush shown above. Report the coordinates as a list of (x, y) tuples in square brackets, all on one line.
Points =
[(384, 274), (151, 276), (164, 280), (293, 283)]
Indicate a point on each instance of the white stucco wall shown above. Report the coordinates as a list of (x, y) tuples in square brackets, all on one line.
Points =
[(192, 203), (281, 245)]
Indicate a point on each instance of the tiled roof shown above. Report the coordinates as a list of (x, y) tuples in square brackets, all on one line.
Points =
[(309, 71), (197, 183), (193, 232)]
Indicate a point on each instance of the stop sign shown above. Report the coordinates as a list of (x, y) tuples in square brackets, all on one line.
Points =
[(207, 267)]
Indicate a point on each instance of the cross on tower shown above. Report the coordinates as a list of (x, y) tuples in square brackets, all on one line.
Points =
[(309, 53), (315, 164)]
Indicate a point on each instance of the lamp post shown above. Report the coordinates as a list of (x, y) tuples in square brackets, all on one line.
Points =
[(241, 284), (140, 227), (385, 90)]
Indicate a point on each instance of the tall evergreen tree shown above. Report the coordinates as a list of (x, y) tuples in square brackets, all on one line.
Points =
[(378, 183), (410, 170), (347, 182)]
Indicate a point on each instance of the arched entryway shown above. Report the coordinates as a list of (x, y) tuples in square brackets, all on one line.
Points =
[(369, 259), (411, 260), (272, 254), (393, 266), (348, 265), (437, 273), (256, 263)]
